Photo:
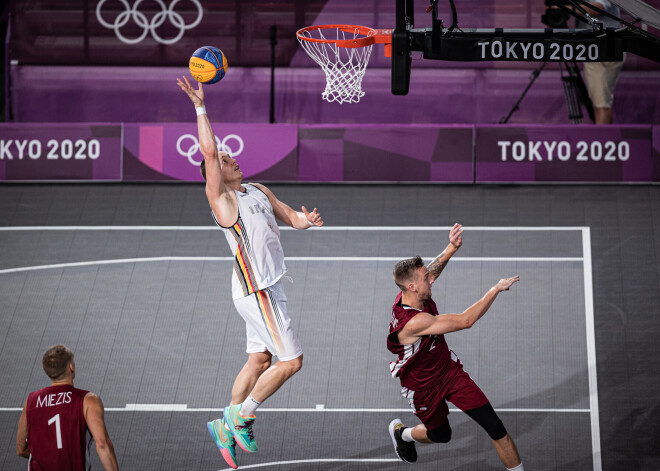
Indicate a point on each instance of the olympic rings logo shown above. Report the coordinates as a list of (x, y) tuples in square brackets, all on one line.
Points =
[(223, 146), (149, 26)]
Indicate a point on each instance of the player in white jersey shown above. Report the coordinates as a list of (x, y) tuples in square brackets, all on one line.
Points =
[(247, 214)]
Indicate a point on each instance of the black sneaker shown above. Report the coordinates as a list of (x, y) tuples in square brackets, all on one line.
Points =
[(404, 450)]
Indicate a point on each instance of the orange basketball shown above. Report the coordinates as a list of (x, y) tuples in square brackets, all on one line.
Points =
[(208, 65)]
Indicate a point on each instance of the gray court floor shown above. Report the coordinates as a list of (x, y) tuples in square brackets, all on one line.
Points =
[(135, 280)]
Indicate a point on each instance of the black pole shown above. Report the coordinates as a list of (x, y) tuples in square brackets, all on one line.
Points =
[(6, 112), (273, 42), (516, 106), (86, 31)]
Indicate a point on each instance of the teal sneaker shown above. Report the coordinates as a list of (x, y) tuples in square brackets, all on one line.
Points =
[(241, 427), (224, 439)]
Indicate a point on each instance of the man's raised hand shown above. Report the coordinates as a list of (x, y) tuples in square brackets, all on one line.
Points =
[(455, 238), (196, 96)]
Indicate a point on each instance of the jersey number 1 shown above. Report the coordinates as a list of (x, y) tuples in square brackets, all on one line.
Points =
[(58, 432)]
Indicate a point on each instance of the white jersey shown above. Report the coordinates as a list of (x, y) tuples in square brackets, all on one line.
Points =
[(254, 240)]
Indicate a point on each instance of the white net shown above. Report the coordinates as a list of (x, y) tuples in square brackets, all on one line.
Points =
[(344, 67)]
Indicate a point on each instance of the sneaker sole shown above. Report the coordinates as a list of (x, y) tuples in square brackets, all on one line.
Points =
[(223, 451), (390, 428), (230, 424)]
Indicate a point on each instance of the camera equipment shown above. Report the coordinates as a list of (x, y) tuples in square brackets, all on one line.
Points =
[(555, 16)]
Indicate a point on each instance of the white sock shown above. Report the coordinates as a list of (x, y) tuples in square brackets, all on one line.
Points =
[(406, 435), (249, 407), (517, 468)]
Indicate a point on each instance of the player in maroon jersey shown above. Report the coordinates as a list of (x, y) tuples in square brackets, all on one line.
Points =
[(430, 373), (52, 430)]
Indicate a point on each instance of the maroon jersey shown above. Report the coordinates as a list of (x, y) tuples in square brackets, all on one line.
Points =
[(57, 431), (423, 364)]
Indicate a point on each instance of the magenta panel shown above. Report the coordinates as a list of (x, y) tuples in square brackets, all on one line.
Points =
[(60, 152)]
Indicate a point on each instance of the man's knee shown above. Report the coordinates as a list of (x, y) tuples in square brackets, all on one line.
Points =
[(294, 365), (489, 421), (259, 362), (440, 434)]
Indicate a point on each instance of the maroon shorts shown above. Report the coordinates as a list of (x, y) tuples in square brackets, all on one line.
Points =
[(430, 405)]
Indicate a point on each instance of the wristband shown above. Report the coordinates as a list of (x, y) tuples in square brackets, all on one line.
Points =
[(200, 110)]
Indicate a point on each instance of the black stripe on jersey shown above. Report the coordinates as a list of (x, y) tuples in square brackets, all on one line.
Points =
[(237, 265), (276, 310), (248, 247), (241, 278), (241, 241)]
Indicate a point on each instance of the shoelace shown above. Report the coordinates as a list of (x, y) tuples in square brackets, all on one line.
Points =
[(248, 428)]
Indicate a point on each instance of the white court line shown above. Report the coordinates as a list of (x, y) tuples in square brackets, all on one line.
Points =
[(184, 408), (289, 259), (287, 228), (591, 348), (156, 407), (320, 460)]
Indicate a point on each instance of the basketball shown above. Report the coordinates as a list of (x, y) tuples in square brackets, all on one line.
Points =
[(208, 65)]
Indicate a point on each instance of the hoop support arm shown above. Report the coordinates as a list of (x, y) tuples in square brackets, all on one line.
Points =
[(521, 45)]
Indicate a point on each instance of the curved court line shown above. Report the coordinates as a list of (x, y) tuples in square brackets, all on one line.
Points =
[(291, 259), (320, 460), (110, 262)]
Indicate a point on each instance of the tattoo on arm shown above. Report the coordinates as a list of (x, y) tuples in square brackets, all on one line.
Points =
[(437, 265)]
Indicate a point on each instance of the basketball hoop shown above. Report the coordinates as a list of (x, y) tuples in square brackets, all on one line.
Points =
[(343, 52)]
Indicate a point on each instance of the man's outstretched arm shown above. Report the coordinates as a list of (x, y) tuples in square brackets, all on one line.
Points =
[(440, 262), (285, 213), (224, 208), (206, 137), (426, 324)]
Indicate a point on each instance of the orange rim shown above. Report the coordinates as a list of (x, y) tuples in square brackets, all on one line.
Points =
[(371, 36)]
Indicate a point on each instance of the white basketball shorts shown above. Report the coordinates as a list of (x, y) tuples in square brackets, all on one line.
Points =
[(267, 325)]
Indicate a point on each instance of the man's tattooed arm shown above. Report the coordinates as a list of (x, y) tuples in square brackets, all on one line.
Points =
[(437, 265), (440, 262)]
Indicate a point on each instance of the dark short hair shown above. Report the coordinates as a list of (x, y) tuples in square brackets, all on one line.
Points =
[(202, 169), (404, 270), (56, 360)]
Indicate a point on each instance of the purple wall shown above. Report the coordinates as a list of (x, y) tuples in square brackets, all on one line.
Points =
[(437, 96), (386, 153), (171, 151), (60, 152), (62, 50), (323, 153), (564, 154)]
